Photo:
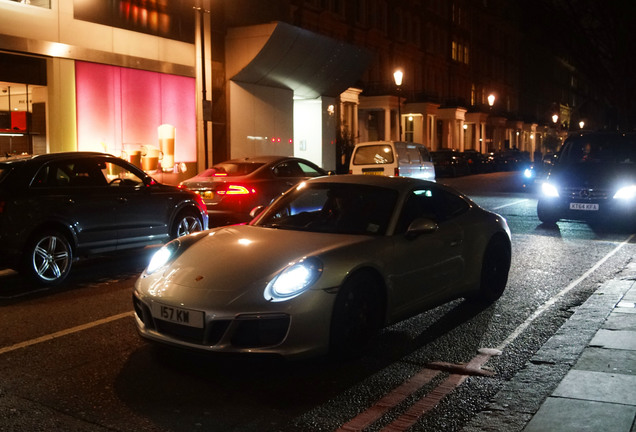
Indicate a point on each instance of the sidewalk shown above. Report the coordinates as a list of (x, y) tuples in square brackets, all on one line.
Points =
[(583, 378)]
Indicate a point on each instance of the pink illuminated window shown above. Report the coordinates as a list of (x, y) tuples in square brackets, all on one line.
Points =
[(119, 109)]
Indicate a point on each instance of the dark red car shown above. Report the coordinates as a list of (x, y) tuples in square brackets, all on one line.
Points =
[(233, 188)]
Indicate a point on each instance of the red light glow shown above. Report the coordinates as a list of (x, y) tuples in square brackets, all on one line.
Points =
[(236, 190)]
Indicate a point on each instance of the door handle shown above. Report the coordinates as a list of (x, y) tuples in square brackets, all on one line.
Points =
[(455, 243)]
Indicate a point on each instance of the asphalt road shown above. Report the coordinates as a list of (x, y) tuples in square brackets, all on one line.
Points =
[(70, 358)]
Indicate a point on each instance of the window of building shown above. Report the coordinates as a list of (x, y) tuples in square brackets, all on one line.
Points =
[(361, 12), (382, 17), (163, 18)]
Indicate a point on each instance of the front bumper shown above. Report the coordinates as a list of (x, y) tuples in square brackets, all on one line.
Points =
[(293, 329), (608, 210)]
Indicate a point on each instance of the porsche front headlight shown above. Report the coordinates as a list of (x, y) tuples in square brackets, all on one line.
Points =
[(293, 280), (626, 193), (170, 251), (163, 256)]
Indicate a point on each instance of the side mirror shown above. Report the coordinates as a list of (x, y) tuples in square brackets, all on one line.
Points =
[(421, 226), (256, 211)]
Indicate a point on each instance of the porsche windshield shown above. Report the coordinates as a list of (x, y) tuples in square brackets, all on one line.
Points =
[(612, 149), (332, 208)]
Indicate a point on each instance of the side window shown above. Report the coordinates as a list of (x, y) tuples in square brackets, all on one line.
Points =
[(86, 173), (430, 203), (69, 174), (308, 171), (414, 155), (424, 154), (288, 169), (118, 175)]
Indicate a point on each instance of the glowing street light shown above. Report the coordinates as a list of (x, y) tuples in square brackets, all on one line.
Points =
[(555, 118), (491, 100), (397, 77), (581, 124)]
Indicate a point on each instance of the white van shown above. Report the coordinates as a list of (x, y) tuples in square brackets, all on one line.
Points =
[(392, 158)]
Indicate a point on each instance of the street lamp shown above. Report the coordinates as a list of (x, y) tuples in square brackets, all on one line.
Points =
[(555, 118), (491, 100), (397, 77), (581, 124)]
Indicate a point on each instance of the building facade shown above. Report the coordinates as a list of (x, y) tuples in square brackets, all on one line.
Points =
[(219, 79)]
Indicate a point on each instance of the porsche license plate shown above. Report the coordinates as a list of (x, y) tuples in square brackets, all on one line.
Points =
[(187, 317), (376, 172), (584, 206)]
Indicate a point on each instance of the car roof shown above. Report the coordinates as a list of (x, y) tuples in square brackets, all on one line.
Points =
[(262, 159), (600, 134), (397, 183), (42, 158)]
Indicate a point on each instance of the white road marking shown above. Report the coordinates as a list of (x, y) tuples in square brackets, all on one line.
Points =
[(561, 293), (511, 204), (66, 332)]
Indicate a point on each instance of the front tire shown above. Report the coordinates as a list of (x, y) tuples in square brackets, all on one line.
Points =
[(357, 316), (494, 269), (187, 222), (48, 258), (546, 214)]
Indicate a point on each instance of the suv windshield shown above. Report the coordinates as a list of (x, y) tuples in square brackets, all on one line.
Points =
[(613, 149)]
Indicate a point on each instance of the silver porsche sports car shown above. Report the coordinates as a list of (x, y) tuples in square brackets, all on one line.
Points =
[(323, 268)]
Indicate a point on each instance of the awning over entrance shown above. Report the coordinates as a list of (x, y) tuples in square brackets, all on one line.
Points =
[(281, 55)]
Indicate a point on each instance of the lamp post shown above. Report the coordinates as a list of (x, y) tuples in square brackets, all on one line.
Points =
[(206, 105), (491, 102), (397, 77)]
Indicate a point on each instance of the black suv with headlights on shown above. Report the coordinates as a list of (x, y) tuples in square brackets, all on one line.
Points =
[(57, 207), (593, 179)]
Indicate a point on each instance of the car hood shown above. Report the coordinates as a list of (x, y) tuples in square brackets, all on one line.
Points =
[(592, 175), (237, 260)]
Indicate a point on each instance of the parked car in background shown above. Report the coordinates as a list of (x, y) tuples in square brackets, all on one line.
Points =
[(231, 189), (478, 163), (323, 268), (392, 158), (57, 207), (450, 163), (511, 160), (534, 173)]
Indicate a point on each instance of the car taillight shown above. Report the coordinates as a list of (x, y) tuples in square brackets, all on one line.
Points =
[(236, 190), (2, 206), (200, 201), (396, 172)]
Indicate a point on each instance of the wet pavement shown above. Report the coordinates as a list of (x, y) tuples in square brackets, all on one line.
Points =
[(583, 378)]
